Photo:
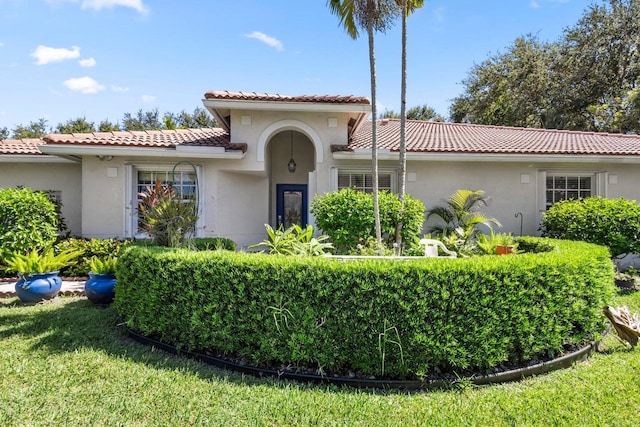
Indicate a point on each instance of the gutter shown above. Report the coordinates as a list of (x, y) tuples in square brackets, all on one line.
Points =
[(179, 152), (386, 154)]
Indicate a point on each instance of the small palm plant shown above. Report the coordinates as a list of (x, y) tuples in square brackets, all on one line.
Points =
[(461, 216)]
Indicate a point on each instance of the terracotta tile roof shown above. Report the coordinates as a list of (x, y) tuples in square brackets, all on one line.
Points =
[(434, 137), (254, 96), (20, 146), (208, 137)]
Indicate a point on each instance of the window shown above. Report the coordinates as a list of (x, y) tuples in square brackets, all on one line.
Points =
[(185, 180), (564, 187), (363, 181)]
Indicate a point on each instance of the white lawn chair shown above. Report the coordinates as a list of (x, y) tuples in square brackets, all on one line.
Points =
[(431, 249)]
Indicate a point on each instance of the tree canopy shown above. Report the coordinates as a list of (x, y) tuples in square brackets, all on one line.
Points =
[(141, 120), (419, 112), (586, 80)]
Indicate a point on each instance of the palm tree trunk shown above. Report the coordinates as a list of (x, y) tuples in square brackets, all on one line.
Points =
[(374, 141), (403, 128)]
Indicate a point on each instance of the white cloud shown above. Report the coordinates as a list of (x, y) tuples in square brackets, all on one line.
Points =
[(148, 98), (83, 84), (268, 40), (46, 55), (119, 88), (89, 62), (102, 4)]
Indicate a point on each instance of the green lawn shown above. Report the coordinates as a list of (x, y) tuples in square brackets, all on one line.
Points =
[(67, 362)]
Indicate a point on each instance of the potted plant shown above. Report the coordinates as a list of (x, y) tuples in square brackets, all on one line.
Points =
[(100, 287), (505, 244), (38, 272)]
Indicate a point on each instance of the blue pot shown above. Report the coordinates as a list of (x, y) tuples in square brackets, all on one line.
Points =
[(100, 288), (37, 287)]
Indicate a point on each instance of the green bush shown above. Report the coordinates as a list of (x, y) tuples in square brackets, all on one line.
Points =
[(213, 243), (614, 223), (294, 240), (28, 221), (346, 216), (98, 248), (398, 319)]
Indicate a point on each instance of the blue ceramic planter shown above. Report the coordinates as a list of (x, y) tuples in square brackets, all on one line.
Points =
[(37, 287), (100, 288)]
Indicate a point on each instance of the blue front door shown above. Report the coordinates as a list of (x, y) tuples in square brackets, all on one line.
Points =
[(291, 205)]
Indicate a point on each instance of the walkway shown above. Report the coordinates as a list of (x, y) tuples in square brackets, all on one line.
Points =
[(69, 287)]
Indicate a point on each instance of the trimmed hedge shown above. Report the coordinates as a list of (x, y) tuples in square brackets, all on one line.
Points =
[(614, 223), (396, 319)]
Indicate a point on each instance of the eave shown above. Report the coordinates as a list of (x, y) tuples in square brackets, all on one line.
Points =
[(37, 158)]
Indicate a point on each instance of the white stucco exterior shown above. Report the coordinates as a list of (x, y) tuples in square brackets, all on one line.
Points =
[(238, 191)]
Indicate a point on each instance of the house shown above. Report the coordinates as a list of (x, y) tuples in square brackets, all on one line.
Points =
[(274, 153)]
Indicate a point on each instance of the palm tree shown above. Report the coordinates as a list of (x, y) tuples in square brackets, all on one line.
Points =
[(461, 215), (373, 15), (407, 7)]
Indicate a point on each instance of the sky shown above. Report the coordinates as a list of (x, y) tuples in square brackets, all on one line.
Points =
[(100, 59)]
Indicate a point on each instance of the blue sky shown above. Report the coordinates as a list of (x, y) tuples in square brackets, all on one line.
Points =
[(63, 59)]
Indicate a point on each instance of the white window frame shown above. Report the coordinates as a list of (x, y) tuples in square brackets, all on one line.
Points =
[(335, 171), (131, 193)]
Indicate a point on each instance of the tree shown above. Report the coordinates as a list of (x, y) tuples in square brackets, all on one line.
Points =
[(601, 60), (33, 130), (511, 88), (584, 81), (372, 15), (406, 8), (107, 126), (4, 133), (79, 125), (183, 120), (148, 120), (419, 112)]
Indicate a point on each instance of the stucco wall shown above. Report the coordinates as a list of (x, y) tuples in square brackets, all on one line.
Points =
[(63, 177), (512, 187)]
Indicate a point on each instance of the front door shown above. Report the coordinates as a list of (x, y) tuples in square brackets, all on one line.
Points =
[(291, 205)]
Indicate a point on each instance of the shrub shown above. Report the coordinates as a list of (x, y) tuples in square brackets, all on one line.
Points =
[(99, 248), (295, 240), (213, 244), (614, 223), (406, 318), (28, 221), (166, 216), (346, 216)]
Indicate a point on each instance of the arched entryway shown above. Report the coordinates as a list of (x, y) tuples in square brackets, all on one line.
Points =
[(291, 158)]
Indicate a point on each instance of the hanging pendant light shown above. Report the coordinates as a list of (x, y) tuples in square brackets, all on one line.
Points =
[(292, 163)]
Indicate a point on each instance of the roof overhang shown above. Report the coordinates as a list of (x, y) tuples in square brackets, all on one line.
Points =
[(178, 152), (36, 158), (365, 154), (221, 108)]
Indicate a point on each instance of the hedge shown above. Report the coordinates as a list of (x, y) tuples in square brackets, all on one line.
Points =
[(372, 317)]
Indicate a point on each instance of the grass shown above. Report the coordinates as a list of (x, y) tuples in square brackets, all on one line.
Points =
[(68, 362)]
